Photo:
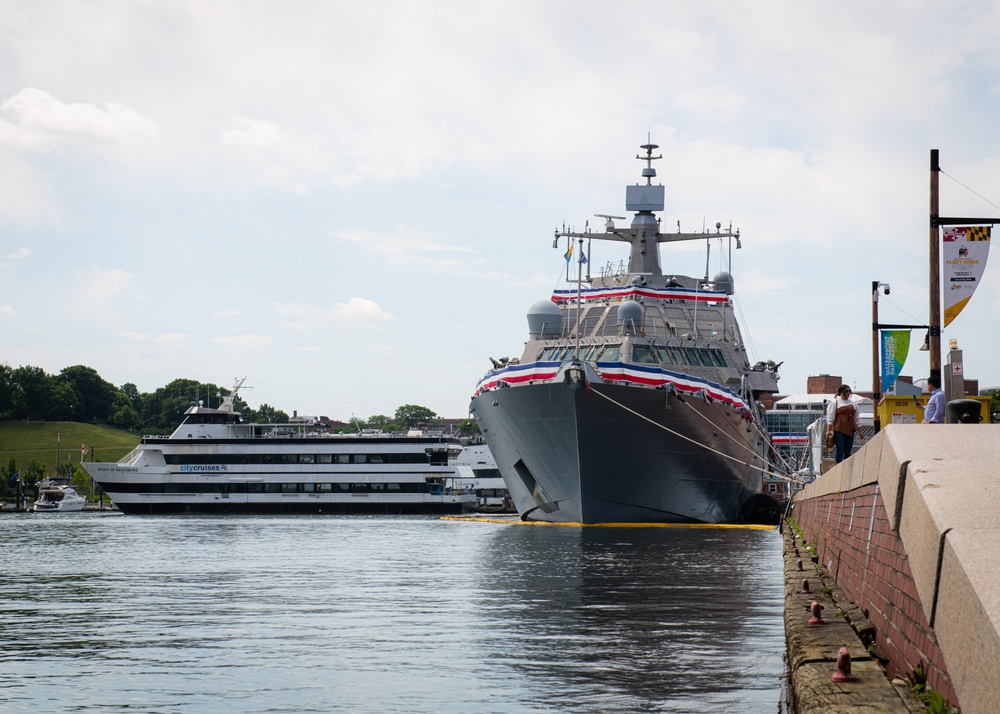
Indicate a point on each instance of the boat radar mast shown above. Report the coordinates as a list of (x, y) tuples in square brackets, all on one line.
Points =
[(644, 233)]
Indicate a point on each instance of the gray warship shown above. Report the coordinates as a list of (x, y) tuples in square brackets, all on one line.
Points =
[(634, 400)]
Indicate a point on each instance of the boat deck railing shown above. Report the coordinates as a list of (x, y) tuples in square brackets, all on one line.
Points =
[(131, 457)]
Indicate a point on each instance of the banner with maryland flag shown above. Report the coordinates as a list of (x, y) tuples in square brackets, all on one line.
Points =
[(965, 251)]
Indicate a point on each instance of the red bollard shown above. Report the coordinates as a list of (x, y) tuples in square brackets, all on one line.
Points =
[(817, 614), (805, 585), (798, 565), (843, 671)]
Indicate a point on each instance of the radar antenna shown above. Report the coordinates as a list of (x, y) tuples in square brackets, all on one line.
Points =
[(649, 172)]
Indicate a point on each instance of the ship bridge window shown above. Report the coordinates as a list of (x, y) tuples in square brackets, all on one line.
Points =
[(588, 352), (691, 356), (610, 324), (588, 323), (706, 358), (548, 354), (717, 357), (610, 353), (643, 354)]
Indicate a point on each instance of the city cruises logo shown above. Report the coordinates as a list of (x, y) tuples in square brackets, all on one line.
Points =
[(188, 468)]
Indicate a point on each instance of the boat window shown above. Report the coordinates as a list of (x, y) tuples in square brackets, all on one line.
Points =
[(309, 488), (610, 325), (324, 458), (547, 354), (359, 458), (272, 488), (663, 354), (290, 487), (306, 458), (717, 357), (691, 356), (610, 353), (289, 459), (706, 359), (643, 354), (589, 351), (343, 458), (590, 322), (324, 487)]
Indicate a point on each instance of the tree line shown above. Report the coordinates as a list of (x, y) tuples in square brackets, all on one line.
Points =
[(80, 394)]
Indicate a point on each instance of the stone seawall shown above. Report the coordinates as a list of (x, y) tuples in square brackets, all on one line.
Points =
[(866, 559), (907, 529)]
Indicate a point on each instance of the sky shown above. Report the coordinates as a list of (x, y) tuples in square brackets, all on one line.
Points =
[(352, 204)]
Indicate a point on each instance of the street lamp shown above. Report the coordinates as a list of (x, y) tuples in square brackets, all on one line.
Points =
[(876, 381), (876, 329)]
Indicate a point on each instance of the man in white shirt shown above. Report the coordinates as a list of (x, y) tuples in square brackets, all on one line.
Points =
[(934, 411)]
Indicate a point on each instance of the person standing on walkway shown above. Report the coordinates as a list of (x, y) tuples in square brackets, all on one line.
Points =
[(934, 411), (843, 422)]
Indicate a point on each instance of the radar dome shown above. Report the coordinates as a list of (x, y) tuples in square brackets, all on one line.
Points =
[(724, 281), (630, 312), (544, 318)]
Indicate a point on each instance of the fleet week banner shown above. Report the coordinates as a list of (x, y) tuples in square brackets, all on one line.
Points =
[(965, 251), (895, 348)]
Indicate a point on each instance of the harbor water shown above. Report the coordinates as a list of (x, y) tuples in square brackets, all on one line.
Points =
[(103, 612)]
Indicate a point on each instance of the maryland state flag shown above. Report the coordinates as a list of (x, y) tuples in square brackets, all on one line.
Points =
[(964, 252)]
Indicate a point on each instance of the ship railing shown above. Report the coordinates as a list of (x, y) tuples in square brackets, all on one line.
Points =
[(131, 457)]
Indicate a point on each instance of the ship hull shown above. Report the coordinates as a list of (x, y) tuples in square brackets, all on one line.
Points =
[(612, 453)]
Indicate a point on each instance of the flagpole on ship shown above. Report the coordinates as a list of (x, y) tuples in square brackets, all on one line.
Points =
[(579, 296)]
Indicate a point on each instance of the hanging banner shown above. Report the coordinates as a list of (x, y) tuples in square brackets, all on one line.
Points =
[(964, 252), (895, 348)]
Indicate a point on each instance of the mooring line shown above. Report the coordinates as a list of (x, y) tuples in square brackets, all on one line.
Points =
[(686, 438)]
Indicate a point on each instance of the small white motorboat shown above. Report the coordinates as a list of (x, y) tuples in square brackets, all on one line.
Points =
[(53, 497)]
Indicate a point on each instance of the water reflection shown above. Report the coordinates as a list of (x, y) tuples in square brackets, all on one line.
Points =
[(638, 620), (181, 614)]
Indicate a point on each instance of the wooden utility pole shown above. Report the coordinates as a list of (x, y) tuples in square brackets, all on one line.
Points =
[(934, 321)]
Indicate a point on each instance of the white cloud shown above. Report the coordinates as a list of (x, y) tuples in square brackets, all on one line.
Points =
[(248, 131), (33, 118), (409, 246), (6, 310), (18, 254), (103, 286), (356, 309)]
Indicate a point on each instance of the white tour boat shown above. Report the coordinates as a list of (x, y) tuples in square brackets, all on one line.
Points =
[(216, 463)]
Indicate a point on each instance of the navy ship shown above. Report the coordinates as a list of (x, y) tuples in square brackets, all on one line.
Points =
[(634, 400)]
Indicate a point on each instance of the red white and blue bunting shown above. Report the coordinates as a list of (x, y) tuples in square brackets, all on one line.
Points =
[(785, 439), (621, 372), (589, 294)]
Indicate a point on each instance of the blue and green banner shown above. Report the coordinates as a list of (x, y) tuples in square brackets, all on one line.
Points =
[(895, 348)]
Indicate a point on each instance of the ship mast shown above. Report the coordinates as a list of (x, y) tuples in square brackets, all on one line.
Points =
[(644, 233)]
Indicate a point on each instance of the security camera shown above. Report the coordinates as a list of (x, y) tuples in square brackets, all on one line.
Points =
[(885, 290)]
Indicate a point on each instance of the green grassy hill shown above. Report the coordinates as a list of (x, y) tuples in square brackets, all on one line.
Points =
[(47, 441)]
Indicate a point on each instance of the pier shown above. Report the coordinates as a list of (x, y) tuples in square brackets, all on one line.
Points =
[(899, 545)]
